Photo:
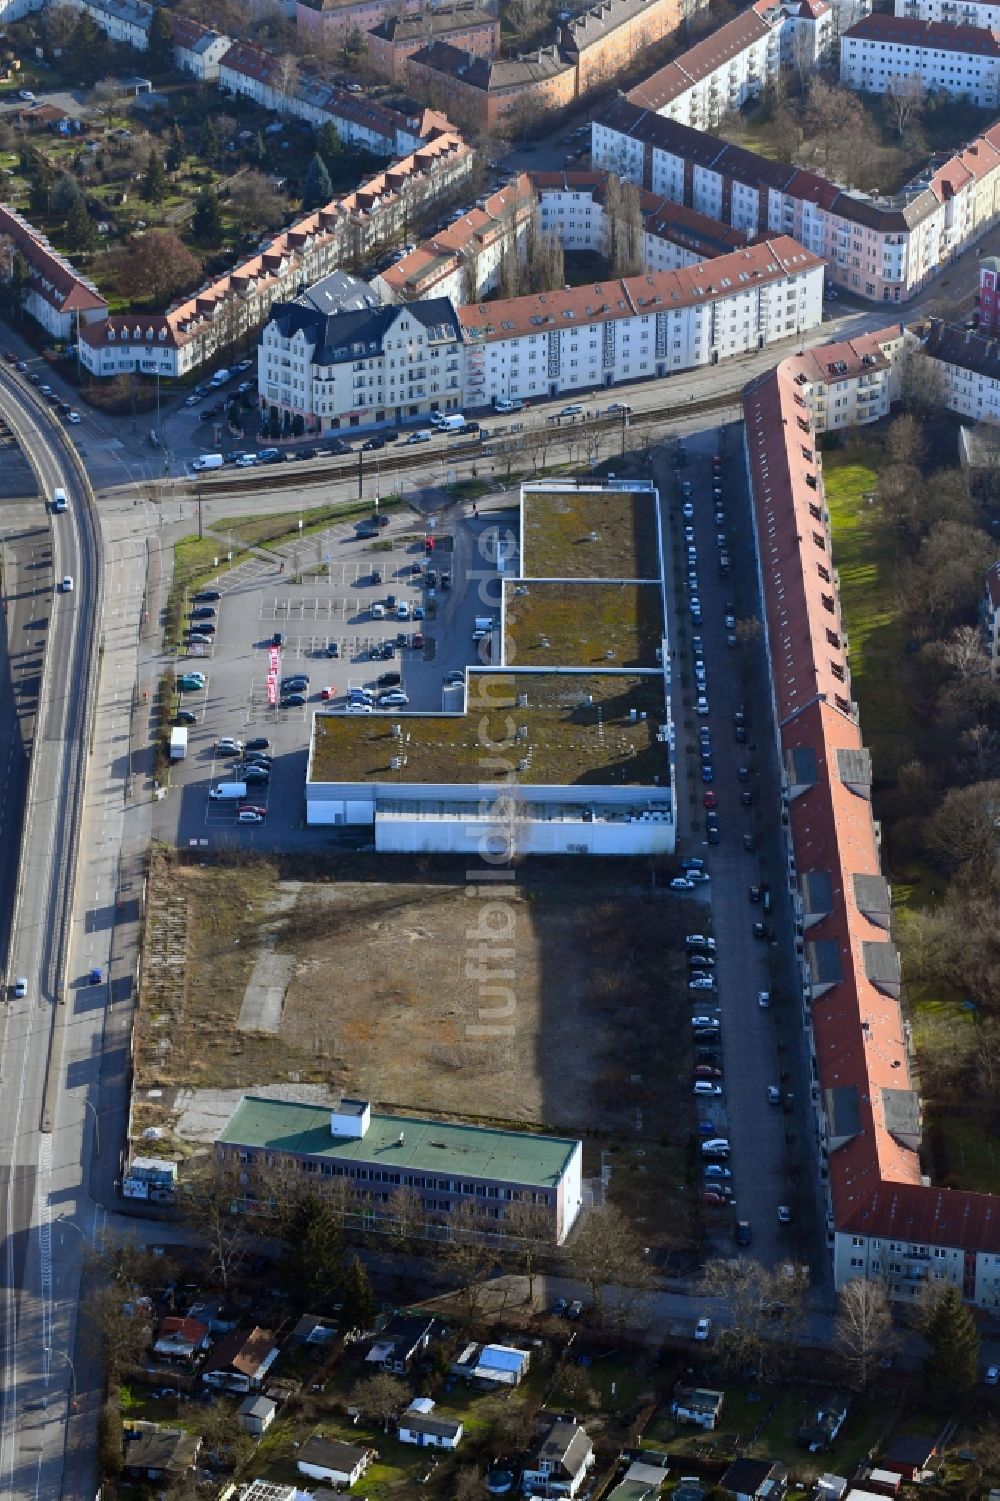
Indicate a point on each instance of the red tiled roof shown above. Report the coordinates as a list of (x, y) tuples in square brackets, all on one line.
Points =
[(189, 1331), (769, 261), (940, 36), (52, 278), (701, 60), (876, 1187), (846, 360)]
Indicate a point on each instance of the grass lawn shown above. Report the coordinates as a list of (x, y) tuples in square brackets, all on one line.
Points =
[(864, 556), (973, 1153)]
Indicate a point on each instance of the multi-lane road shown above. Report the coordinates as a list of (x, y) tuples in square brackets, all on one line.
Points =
[(43, 1129)]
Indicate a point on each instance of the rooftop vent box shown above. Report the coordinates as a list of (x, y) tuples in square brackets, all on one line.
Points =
[(351, 1118)]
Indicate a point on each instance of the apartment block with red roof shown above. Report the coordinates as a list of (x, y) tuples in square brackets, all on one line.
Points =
[(945, 57), (59, 298), (738, 61), (884, 1220), (853, 382), (336, 19), (197, 49), (881, 249)]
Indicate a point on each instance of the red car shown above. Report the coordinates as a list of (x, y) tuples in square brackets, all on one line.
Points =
[(328, 693), (428, 544), (710, 800), (252, 808), (713, 1196), (417, 640)]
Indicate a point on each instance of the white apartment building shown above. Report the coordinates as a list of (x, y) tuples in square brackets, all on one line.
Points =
[(643, 326), (989, 617), (969, 367), (120, 20), (14, 10), (572, 206), (853, 382), (197, 49), (338, 359), (735, 63), (960, 60), (958, 12), (881, 249)]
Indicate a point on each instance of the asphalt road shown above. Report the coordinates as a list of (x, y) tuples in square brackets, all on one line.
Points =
[(39, 1146)]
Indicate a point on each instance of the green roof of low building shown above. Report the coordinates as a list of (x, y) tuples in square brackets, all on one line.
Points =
[(401, 1142)]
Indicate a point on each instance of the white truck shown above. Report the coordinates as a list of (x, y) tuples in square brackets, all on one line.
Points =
[(208, 461), (178, 743), (228, 792)]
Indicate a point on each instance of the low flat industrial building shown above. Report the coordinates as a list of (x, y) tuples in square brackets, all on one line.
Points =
[(443, 1163), (568, 752)]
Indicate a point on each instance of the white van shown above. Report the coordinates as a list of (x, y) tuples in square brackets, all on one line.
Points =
[(228, 792), (507, 404), (208, 461), (59, 502)]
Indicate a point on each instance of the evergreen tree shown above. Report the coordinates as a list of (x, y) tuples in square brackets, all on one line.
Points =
[(175, 151), (88, 51), (359, 1300), (208, 141), (257, 150), (66, 193), (952, 1359), (206, 222), (81, 232), (313, 1260), (160, 49), (331, 148), (154, 184), (317, 188)]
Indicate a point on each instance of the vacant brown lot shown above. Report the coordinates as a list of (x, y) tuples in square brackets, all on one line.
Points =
[(563, 1006)]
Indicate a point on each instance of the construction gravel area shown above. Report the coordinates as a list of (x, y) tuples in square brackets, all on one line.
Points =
[(559, 1003)]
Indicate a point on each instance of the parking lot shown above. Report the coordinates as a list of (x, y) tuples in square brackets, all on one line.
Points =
[(342, 611)]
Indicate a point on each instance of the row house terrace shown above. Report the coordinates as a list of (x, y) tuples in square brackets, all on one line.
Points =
[(230, 309), (883, 1219)]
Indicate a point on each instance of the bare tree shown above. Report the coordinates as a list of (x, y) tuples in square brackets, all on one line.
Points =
[(380, 1397), (209, 1200), (921, 380), (286, 75), (469, 1484), (105, 98), (963, 830), (254, 201), (406, 1216), (527, 1230), (114, 1330), (467, 1254), (905, 442), (864, 1327), (764, 1308), (906, 96), (604, 1252)]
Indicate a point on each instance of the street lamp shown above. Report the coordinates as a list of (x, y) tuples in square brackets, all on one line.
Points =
[(49, 1351)]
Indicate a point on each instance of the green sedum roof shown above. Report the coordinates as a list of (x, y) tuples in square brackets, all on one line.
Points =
[(428, 1146)]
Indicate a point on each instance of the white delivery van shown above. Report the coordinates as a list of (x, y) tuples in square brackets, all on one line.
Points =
[(484, 622), (208, 461), (452, 423), (59, 502), (178, 743), (220, 377), (228, 792), (506, 404)]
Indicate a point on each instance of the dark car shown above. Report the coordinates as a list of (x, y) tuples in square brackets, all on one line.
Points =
[(741, 734), (469, 427), (333, 650), (371, 445), (206, 596), (380, 518), (201, 628), (259, 743), (749, 843), (744, 1235), (755, 894), (446, 581), (204, 612), (389, 679), (366, 529), (760, 930), (338, 447), (185, 716), (277, 639), (293, 701)]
